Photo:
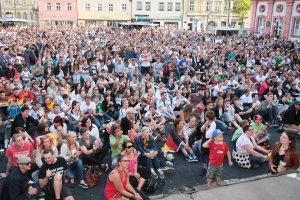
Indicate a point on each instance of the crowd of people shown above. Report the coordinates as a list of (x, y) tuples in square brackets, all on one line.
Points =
[(72, 96)]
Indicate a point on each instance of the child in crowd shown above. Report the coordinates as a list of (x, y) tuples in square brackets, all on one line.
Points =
[(25, 74), (208, 128), (260, 132), (218, 149), (190, 127), (13, 110), (289, 99)]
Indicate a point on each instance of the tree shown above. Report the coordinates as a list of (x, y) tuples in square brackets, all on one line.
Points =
[(241, 8)]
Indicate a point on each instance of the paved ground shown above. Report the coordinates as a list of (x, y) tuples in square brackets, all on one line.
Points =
[(185, 173)]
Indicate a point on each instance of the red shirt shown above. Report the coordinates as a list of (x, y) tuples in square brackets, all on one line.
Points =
[(14, 153), (110, 190), (217, 152)]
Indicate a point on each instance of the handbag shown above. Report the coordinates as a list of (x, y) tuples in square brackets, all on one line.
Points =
[(152, 184), (242, 160), (111, 111), (92, 176)]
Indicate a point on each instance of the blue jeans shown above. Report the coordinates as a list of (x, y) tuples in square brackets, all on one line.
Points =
[(167, 116), (59, 77), (76, 168), (114, 163), (226, 116), (115, 116), (221, 126), (36, 196), (149, 161), (76, 78), (130, 76), (84, 77), (99, 120), (197, 147), (256, 160)]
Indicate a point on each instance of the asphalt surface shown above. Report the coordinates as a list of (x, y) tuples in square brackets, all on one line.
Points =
[(185, 173)]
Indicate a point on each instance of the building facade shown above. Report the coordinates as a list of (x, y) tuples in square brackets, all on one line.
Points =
[(207, 14), (58, 13), (276, 17), (165, 13), (21, 9), (103, 12)]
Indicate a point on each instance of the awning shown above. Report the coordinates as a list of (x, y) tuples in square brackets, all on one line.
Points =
[(14, 20), (226, 29), (137, 24)]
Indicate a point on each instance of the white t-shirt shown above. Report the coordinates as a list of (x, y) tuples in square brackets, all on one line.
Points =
[(53, 130), (165, 104), (52, 115), (122, 113), (215, 93), (85, 107), (182, 100), (36, 114), (241, 142)]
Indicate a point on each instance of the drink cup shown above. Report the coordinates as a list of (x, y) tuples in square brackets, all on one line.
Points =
[(281, 165)]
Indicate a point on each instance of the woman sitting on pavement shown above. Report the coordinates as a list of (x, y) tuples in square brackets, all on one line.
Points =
[(178, 139), (246, 146), (137, 175), (186, 112), (284, 150), (92, 151), (93, 130), (70, 151), (129, 124), (118, 184), (46, 143), (59, 129), (145, 144)]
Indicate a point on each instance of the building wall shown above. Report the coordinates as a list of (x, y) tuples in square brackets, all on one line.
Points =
[(166, 17), (215, 16), (276, 20), (24, 10), (66, 15), (104, 17)]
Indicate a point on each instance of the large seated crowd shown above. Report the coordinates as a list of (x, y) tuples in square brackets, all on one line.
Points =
[(69, 97)]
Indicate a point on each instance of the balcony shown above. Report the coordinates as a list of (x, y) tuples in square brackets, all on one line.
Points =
[(36, 7)]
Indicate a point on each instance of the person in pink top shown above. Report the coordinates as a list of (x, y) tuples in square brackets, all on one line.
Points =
[(118, 185), (137, 176)]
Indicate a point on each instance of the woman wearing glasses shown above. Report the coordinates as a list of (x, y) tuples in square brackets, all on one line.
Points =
[(137, 176), (247, 147), (118, 184)]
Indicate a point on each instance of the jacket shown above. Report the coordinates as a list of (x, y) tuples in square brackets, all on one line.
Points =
[(15, 186), (27, 54), (139, 145), (290, 116), (290, 157), (216, 110), (19, 122)]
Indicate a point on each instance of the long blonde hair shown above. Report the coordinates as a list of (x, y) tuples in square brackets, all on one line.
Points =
[(68, 141)]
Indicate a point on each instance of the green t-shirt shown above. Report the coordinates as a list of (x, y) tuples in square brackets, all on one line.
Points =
[(113, 139), (98, 107), (41, 68), (238, 132), (257, 128)]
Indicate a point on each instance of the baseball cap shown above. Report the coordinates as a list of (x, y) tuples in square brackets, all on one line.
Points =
[(23, 160), (257, 117), (216, 133), (200, 106), (297, 102)]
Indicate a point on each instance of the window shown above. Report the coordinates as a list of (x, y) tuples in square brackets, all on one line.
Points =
[(29, 2), (87, 7), (24, 15), (161, 6), (217, 6), (261, 24), (48, 7), (148, 5), (297, 28), (99, 6), (69, 6), (177, 6), (57, 6), (124, 7), (139, 5), (192, 6), (17, 1), (110, 7), (170, 6), (208, 6), (226, 5), (24, 2), (19, 15)]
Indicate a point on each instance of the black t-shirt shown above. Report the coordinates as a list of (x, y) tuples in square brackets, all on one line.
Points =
[(110, 68), (57, 168)]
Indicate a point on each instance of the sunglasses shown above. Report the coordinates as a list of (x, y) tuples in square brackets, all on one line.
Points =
[(127, 161), (129, 147), (27, 164)]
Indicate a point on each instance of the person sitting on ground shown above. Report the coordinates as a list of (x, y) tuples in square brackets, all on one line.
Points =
[(246, 145), (46, 143), (284, 150), (185, 112), (93, 152), (145, 144), (118, 184), (271, 107), (239, 131), (59, 129), (71, 152), (137, 175), (179, 140), (16, 185), (291, 118), (129, 124), (51, 176), (165, 108), (159, 129), (261, 134)]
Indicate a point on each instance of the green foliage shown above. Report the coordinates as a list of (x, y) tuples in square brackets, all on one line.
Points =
[(242, 7)]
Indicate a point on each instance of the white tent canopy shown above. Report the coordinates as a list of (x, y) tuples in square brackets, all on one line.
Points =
[(14, 20), (138, 24)]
